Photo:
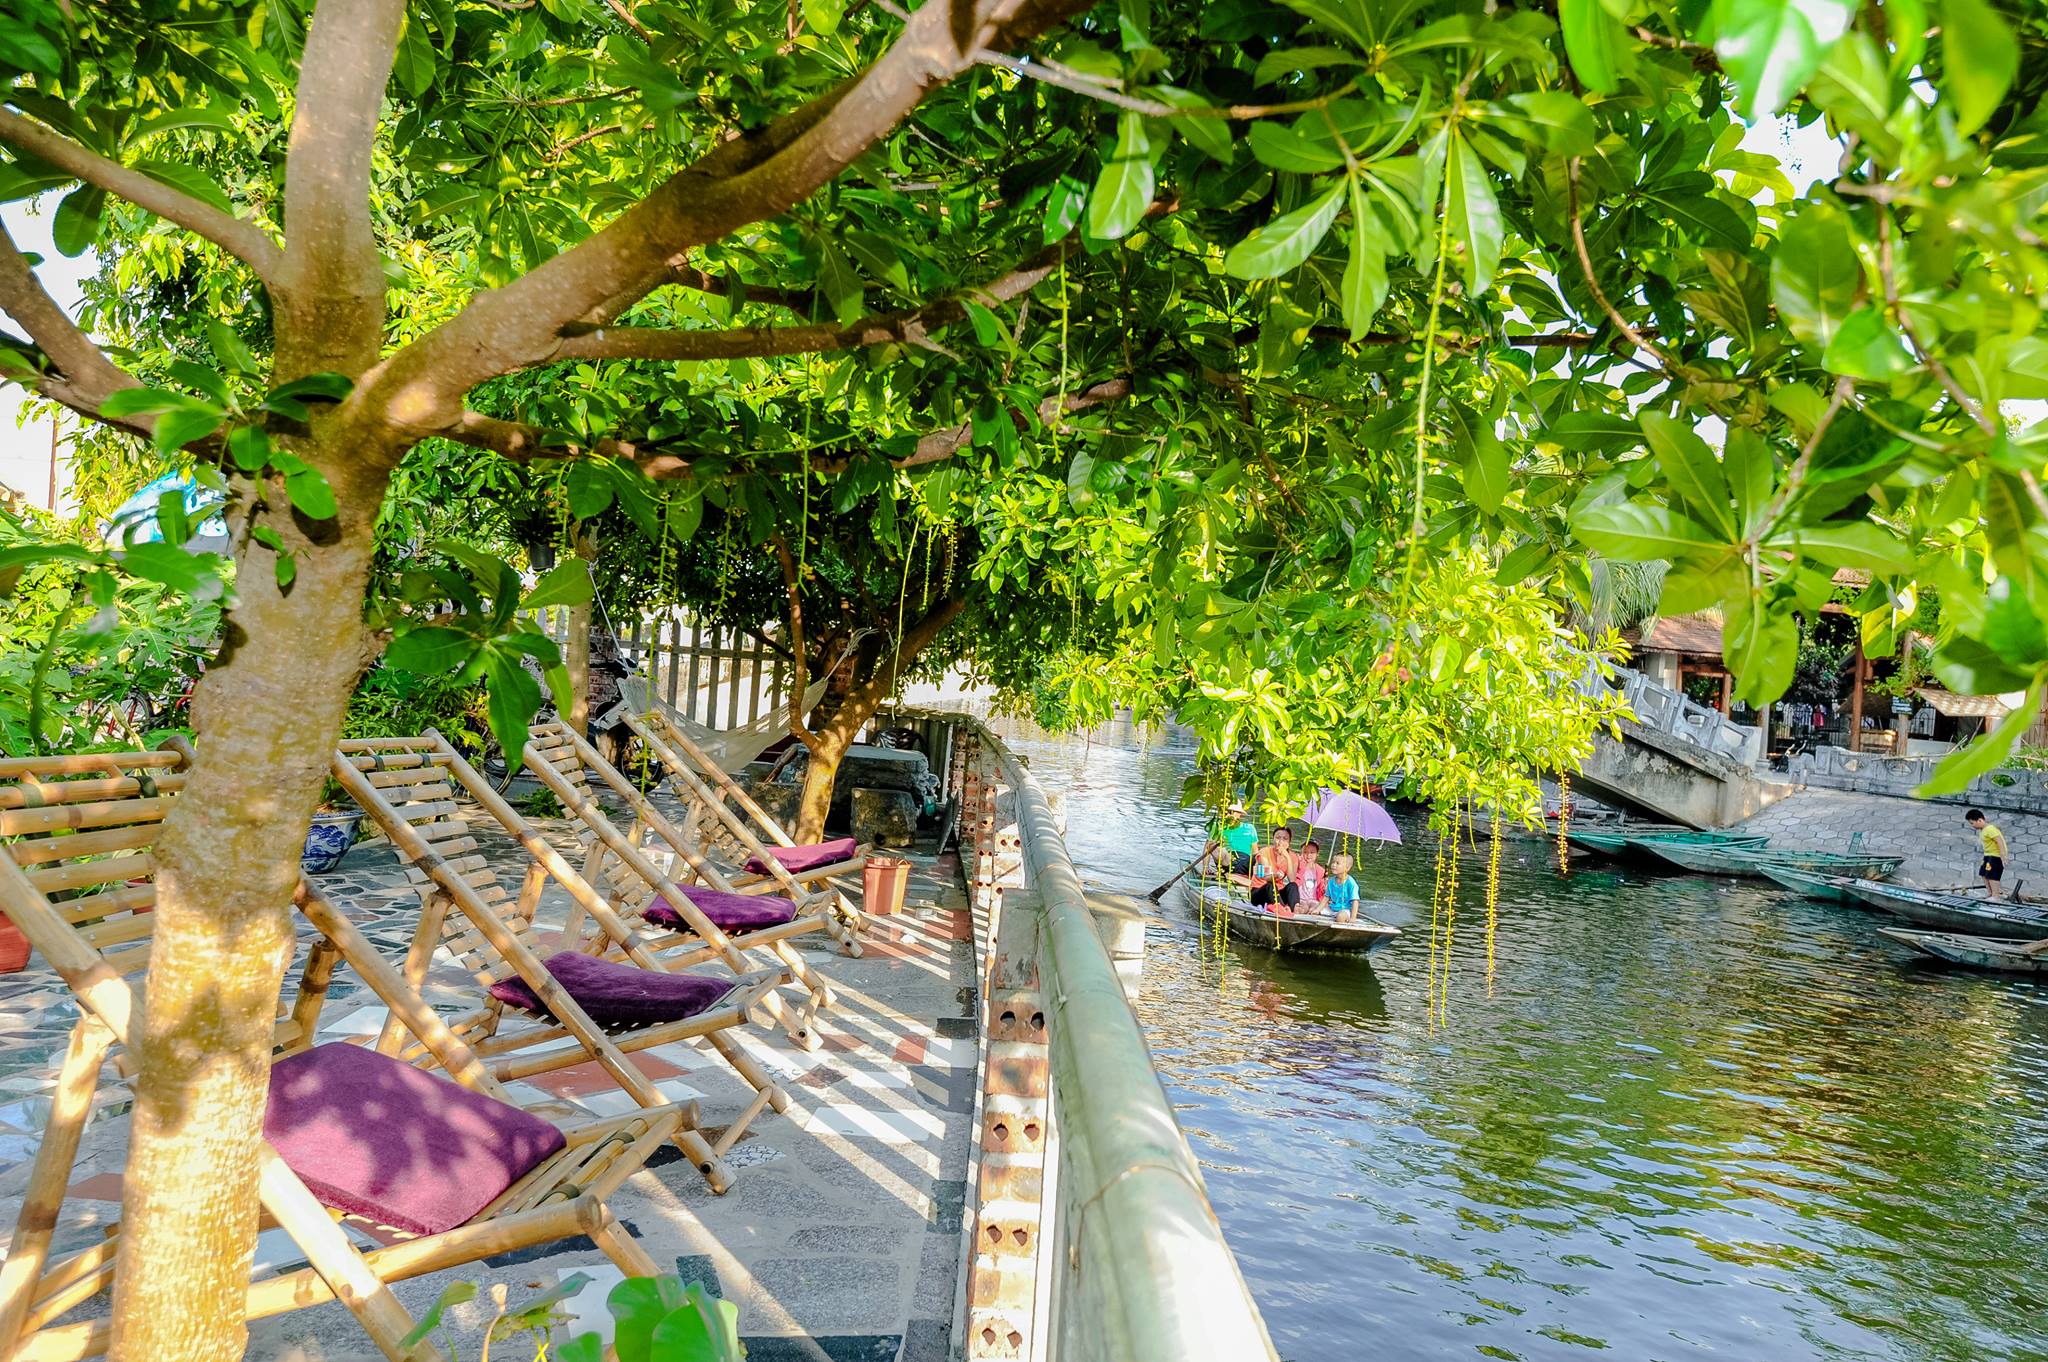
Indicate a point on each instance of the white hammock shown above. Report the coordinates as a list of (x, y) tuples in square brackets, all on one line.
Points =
[(731, 748)]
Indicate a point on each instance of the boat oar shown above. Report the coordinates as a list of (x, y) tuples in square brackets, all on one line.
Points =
[(1156, 894)]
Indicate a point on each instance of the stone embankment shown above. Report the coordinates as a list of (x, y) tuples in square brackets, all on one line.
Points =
[(1940, 850)]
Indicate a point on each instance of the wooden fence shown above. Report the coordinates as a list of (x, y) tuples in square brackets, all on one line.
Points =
[(720, 678)]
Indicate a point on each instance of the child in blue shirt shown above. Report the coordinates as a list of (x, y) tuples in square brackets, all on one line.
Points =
[(1341, 889)]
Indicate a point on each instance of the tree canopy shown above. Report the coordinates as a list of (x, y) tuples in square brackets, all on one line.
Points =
[(1306, 352)]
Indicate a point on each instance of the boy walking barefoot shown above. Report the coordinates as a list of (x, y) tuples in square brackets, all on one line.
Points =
[(1991, 842)]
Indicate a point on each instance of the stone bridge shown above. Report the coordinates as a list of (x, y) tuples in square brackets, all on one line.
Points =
[(1677, 761)]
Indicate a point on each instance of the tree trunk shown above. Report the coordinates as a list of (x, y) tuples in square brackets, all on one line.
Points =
[(576, 650), (267, 714), (827, 750)]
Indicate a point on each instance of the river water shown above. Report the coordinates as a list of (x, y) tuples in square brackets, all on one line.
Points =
[(1686, 1118)]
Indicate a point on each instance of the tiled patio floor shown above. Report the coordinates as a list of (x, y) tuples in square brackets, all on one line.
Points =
[(841, 1235)]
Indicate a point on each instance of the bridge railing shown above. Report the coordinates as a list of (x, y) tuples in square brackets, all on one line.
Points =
[(1672, 712), (1090, 1235)]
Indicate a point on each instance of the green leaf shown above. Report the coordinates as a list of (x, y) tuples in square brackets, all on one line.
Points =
[(1591, 431), (581, 1348), (1063, 205), (1595, 41), (1640, 532), (823, 15), (1761, 646), (1486, 469), (2012, 627), (1563, 121), (512, 698), (249, 447), (1692, 472), (1283, 148), (1773, 47), (1475, 214), (180, 427), (588, 487), (1365, 273), (126, 402), (1815, 273), (310, 494), (1867, 347), (1988, 753), (1855, 544), (228, 349), (1969, 666), (169, 564), (567, 583), (1703, 217), (1123, 191), (988, 328), (456, 1293), (1752, 475), (638, 1304), (1979, 59), (1285, 242), (1207, 133), (187, 180), (76, 225), (430, 650), (841, 285)]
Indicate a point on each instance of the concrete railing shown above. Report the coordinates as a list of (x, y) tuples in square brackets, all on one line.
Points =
[(1837, 768), (1090, 1235), (1672, 712)]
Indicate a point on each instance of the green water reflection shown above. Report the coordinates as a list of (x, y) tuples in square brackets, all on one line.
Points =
[(1688, 1118)]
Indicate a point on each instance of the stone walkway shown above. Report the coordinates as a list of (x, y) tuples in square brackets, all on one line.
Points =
[(840, 1238), (1940, 850)]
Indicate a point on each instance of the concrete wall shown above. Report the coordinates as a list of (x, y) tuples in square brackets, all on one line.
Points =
[(2020, 790), (1674, 780), (1940, 850)]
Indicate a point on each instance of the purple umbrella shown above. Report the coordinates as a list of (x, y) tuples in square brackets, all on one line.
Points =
[(1347, 811)]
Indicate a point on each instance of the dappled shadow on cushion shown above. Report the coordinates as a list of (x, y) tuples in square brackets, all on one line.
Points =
[(728, 912), (616, 995), (378, 1138)]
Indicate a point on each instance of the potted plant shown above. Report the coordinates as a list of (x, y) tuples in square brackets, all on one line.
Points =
[(336, 826)]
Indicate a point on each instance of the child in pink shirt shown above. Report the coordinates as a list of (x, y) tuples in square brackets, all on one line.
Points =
[(1310, 879)]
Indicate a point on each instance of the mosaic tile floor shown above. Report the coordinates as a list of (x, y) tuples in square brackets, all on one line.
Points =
[(840, 1237)]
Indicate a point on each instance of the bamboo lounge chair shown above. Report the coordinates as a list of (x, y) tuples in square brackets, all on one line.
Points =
[(703, 785), (598, 1009), (76, 876), (696, 904)]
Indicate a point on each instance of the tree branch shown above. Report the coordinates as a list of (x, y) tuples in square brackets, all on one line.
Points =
[(799, 679), (331, 308), (909, 326), (83, 377), (245, 240), (743, 180)]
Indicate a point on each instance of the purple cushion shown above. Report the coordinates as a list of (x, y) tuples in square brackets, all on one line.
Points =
[(796, 860), (728, 912), (375, 1137), (617, 995)]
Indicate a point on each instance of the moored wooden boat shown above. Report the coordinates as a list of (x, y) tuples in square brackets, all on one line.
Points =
[(1815, 884), (1946, 912), (1719, 858), (1611, 838), (1978, 952), (1305, 932)]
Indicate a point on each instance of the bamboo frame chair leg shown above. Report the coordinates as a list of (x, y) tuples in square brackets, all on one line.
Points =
[(740, 1123), (749, 1070), (699, 1152), (327, 1248), (613, 1241), (76, 1082)]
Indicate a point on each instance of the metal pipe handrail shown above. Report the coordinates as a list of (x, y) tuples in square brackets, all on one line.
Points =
[(1143, 1270)]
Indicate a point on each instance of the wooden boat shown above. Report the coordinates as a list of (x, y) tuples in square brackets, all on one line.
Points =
[(1946, 912), (1978, 952), (1611, 838), (1828, 888), (1302, 932), (1719, 858)]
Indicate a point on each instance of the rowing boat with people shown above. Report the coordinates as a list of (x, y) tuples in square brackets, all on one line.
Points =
[(2003, 954), (1719, 858), (1950, 912), (1297, 931)]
